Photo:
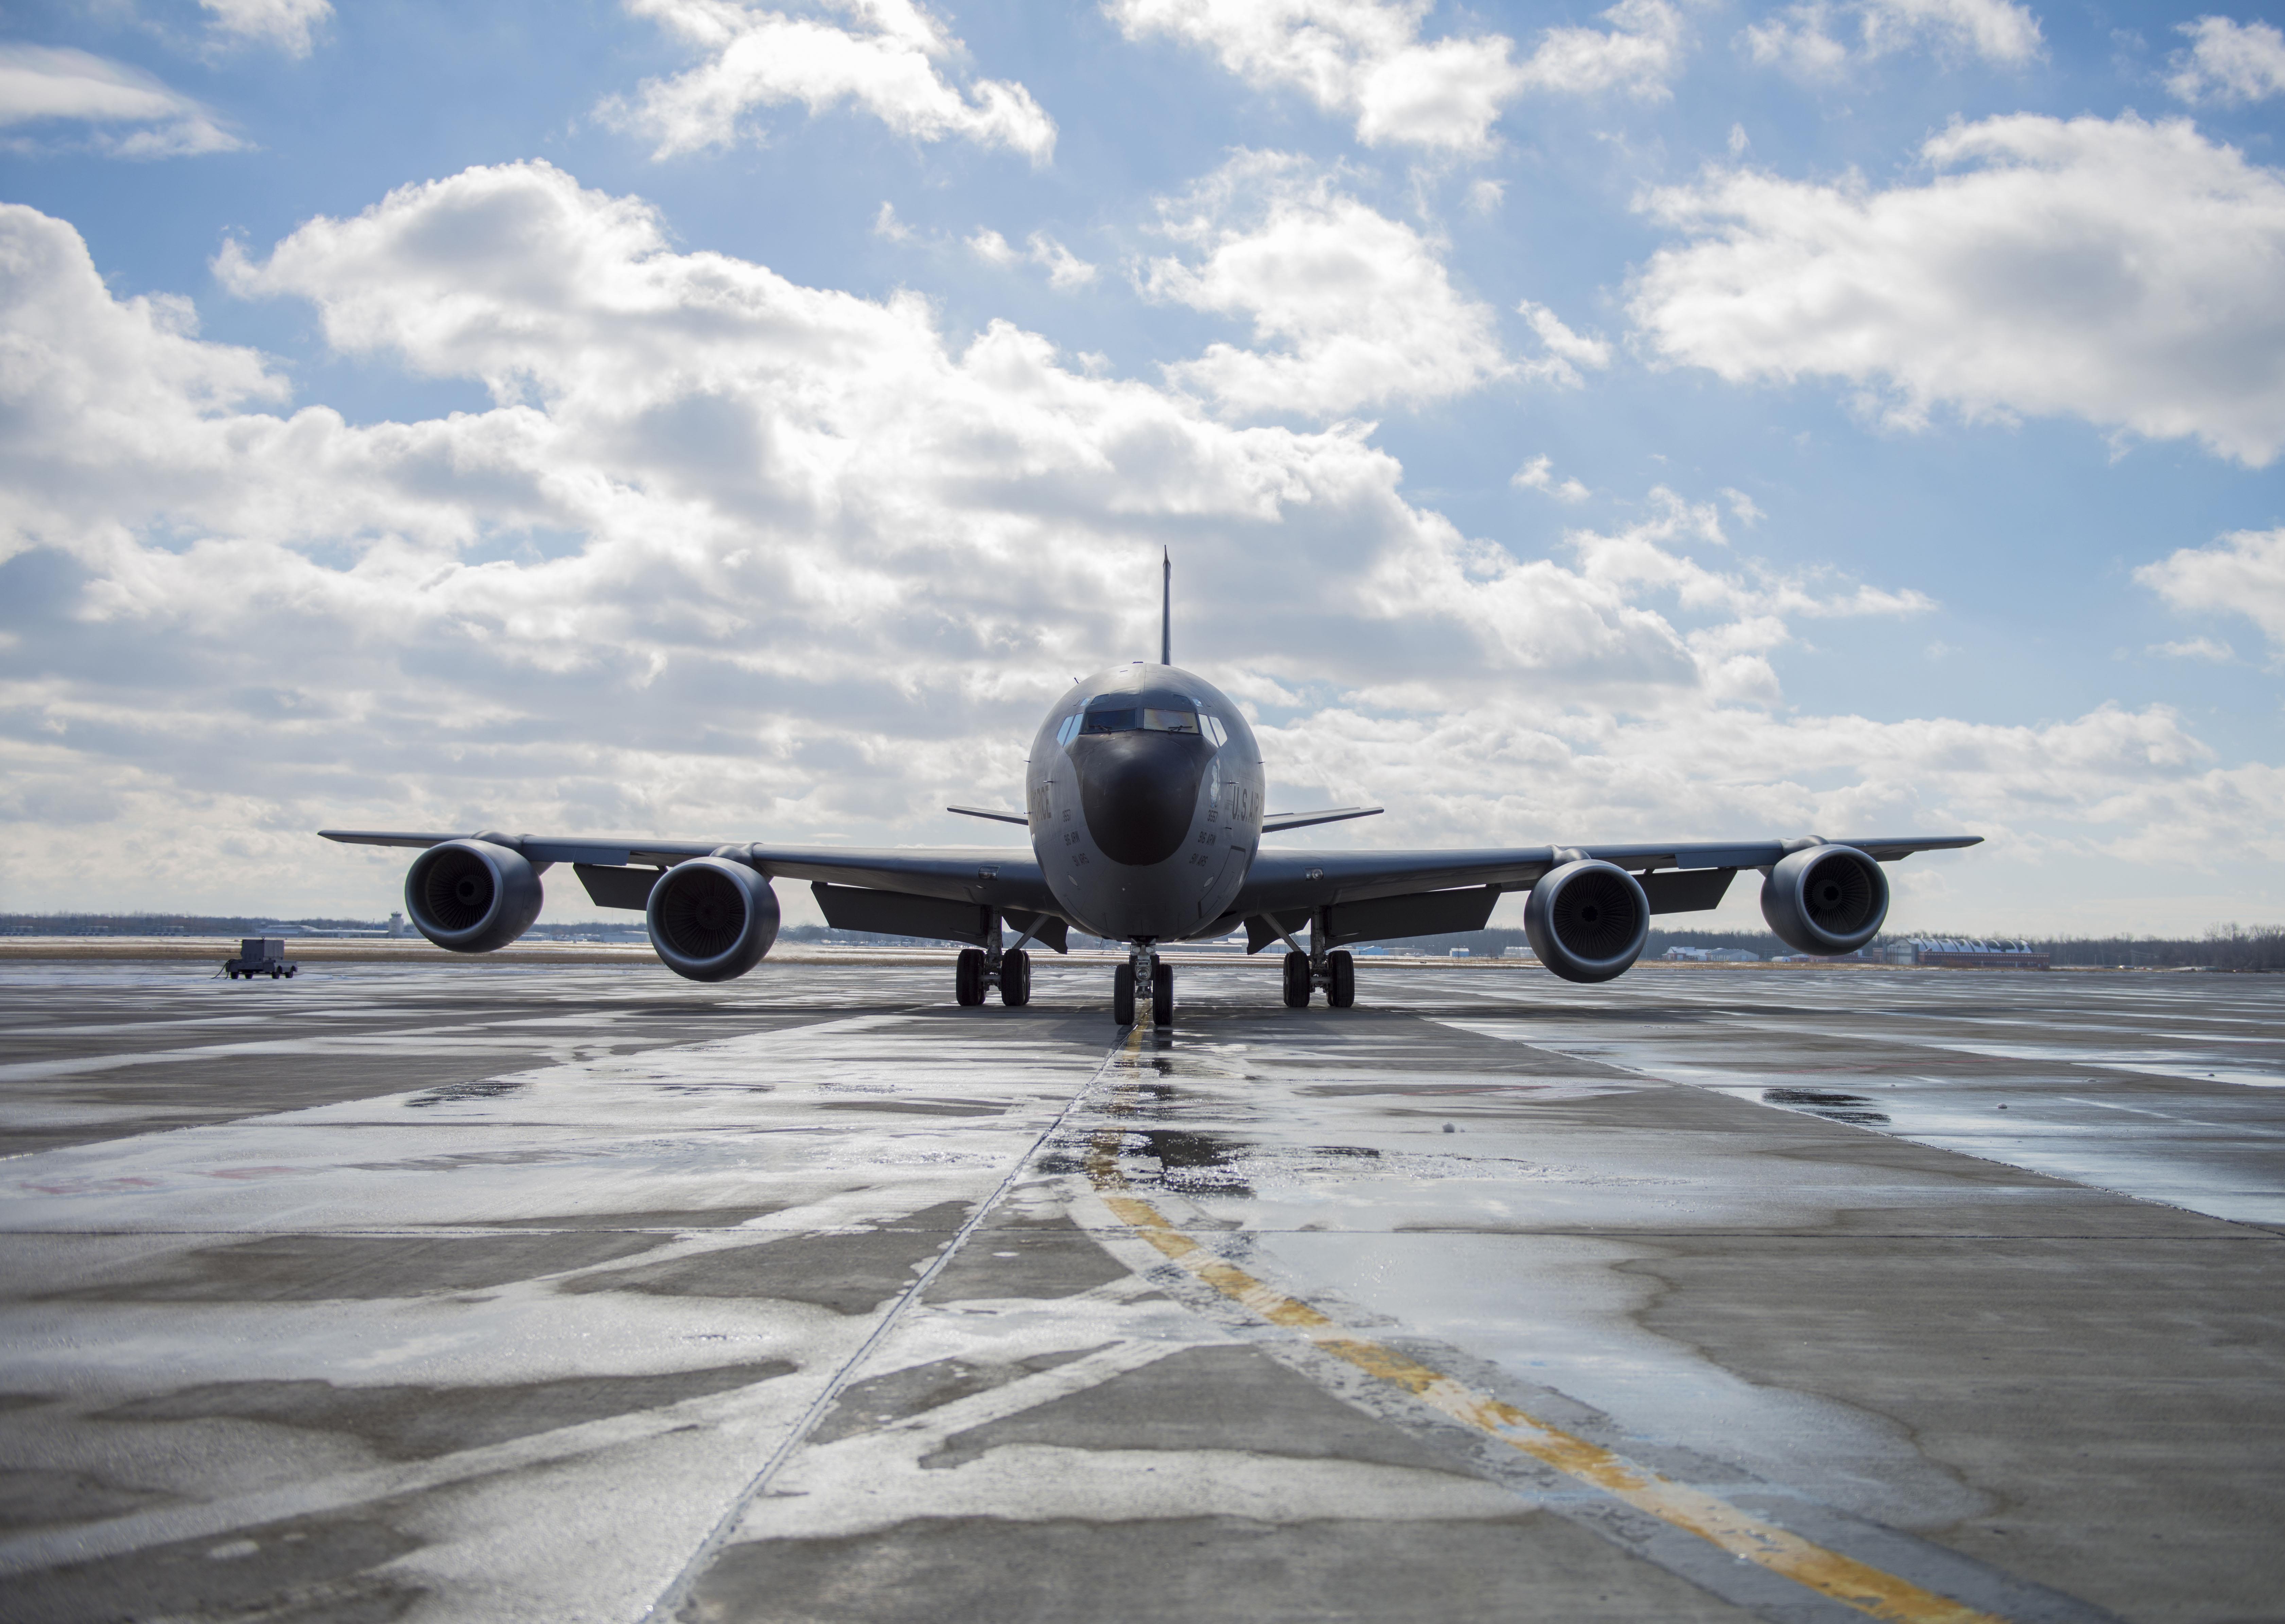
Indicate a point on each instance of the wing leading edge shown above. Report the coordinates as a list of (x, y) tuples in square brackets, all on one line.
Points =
[(989, 875), (1282, 890), (1289, 886)]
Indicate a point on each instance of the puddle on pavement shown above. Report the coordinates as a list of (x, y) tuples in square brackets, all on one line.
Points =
[(1828, 1103), (494, 1088), (403, 1422), (336, 1267)]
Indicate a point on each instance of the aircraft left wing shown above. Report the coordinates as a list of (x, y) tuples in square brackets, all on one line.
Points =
[(1448, 888)]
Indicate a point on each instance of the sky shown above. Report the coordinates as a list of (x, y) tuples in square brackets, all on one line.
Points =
[(1681, 419)]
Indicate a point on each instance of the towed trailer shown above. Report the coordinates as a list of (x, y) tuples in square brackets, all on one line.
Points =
[(259, 956)]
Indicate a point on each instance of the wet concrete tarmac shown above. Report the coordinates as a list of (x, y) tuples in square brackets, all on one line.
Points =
[(485, 1293)]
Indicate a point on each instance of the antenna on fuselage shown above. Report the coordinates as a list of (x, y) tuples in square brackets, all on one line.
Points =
[(1167, 607)]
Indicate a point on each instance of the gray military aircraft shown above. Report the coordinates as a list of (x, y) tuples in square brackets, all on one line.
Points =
[(1143, 799)]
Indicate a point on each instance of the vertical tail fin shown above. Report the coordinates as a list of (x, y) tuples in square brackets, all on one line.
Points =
[(1167, 607)]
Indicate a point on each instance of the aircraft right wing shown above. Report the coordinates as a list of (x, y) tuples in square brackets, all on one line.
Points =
[(1277, 823), (992, 876)]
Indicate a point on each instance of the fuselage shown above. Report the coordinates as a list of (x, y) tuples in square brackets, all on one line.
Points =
[(1143, 795)]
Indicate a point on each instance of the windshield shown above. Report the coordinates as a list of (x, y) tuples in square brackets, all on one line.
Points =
[(1147, 718)]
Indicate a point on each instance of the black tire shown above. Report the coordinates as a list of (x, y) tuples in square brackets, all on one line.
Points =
[(1162, 995), (1297, 981), (291, 970), (1342, 970), (275, 974), (1016, 978), (968, 977), (1122, 995)]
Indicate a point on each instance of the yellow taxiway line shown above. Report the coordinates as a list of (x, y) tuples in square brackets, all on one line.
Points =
[(1869, 1590)]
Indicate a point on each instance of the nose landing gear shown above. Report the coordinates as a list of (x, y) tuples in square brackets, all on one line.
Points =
[(1143, 969), (978, 970)]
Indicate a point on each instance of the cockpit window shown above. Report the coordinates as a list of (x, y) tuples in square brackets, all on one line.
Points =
[(1145, 719)]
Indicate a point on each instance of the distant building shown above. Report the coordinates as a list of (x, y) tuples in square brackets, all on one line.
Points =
[(1945, 953), (1711, 955)]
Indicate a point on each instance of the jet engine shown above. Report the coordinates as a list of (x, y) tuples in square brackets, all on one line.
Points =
[(472, 896), (1825, 899), (712, 919), (1587, 920)]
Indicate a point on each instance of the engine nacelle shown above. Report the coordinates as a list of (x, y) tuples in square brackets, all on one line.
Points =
[(472, 896), (712, 919), (1825, 899), (1587, 920)]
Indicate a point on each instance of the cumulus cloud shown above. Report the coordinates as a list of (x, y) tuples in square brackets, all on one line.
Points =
[(2114, 270), (2240, 574), (2083, 797), (730, 556), (886, 57), (1819, 39), (1539, 474), (1640, 53), (1349, 309), (2229, 62), (1567, 351), (2197, 648), (124, 110), (989, 247), (287, 24), (1065, 269), (1365, 58)]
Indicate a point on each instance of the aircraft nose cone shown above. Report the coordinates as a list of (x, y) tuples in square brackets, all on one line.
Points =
[(1139, 792)]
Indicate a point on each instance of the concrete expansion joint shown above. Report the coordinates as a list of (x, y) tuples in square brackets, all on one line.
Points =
[(670, 1602)]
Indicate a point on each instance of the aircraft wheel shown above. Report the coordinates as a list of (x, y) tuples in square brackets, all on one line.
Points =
[(1162, 995), (1342, 969), (1016, 978), (1297, 981), (968, 977), (1122, 995)]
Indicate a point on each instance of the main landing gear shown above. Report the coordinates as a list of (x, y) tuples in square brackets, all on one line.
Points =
[(1305, 972), (978, 970), (1143, 969)]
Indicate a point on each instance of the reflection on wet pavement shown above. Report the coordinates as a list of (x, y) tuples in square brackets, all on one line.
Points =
[(474, 1292), (1829, 1104)]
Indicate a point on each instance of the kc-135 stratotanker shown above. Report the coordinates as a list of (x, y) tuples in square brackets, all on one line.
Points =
[(1143, 798)]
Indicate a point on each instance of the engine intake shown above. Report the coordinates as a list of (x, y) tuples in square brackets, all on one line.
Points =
[(471, 896), (1825, 899), (1587, 920), (712, 919)]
